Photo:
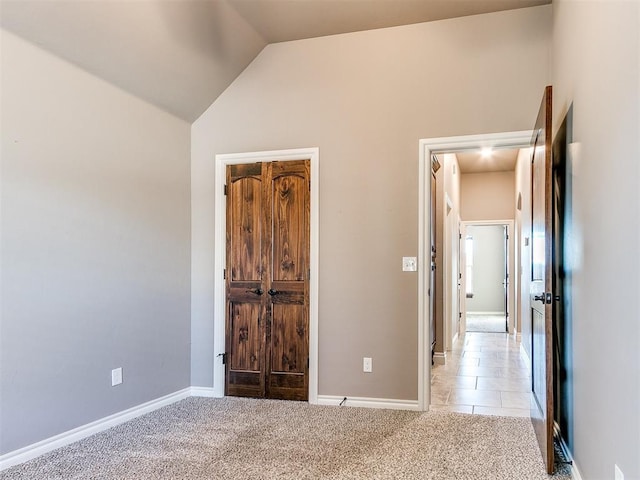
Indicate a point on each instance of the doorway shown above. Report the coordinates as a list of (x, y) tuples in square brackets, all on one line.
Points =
[(485, 277), (220, 221), (429, 147)]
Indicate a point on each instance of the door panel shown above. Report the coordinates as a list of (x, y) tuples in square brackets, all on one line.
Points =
[(267, 339), (245, 306), (289, 290), (245, 234), (541, 284)]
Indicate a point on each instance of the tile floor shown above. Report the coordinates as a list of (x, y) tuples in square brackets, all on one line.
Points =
[(485, 375)]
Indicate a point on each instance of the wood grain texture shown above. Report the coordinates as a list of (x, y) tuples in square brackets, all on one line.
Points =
[(542, 414), (268, 228)]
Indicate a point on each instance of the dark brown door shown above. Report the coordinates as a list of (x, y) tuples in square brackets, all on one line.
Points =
[(267, 280), (542, 297)]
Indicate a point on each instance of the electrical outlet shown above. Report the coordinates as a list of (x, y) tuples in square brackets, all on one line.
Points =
[(116, 376), (618, 473), (409, 264), (366, 365)]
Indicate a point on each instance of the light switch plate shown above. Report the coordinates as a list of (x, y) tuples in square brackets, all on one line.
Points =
[(116, 376), (409, 264)]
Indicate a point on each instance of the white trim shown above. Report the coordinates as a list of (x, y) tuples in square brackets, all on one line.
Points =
[(203, 392), (52, 443), (221, 162), (365, 402), (510, 223), (427, 147), (575, 473), (525, 356), (440, 358)]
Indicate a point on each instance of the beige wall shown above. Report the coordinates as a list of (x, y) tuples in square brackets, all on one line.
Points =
[(596, 68), (522, 275), (487, 196), (447, 215), (365, 99), (95, 258)]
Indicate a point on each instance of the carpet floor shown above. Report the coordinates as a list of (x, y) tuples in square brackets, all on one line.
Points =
[(234, 438)]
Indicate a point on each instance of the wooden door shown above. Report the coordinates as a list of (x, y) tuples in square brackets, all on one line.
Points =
[(435, 166), (267, 280), (541, 283)]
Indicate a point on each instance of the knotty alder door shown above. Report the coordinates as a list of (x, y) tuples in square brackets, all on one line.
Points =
[(541, 290), (267, 280)]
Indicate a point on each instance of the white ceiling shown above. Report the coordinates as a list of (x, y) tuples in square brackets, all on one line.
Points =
[(181, 54)]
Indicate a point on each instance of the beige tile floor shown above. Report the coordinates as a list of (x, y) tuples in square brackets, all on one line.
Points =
[(485, 375)]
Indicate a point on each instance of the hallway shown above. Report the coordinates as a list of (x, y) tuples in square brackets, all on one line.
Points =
[(485, 375)]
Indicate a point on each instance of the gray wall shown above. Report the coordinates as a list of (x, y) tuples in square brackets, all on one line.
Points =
[(95, 248), (488, 268), (365, 99), (596, 68)]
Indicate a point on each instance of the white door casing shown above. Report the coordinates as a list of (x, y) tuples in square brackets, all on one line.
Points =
[(221, 162), (428, 147)]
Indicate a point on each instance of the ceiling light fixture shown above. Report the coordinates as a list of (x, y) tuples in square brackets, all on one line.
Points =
[(486, 152)]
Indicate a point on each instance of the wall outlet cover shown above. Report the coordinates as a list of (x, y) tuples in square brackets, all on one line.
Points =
[(367, 365), (409, 264), (116, 376)]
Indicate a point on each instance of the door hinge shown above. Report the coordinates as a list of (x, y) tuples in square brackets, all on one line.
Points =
[(307, 362), (224, 357), (224, 274), (460, 236), (226, 190)]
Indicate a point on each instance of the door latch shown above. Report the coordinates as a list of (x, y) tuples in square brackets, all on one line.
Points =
[(224, 357)]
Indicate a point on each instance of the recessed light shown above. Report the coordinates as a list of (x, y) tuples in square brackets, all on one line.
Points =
[(486, 152)]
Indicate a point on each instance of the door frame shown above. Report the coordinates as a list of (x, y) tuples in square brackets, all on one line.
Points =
[(510, 258), (428, 147), (220, 220)]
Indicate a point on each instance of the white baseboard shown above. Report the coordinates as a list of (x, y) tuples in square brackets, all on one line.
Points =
[(525, 355), (440, 358), (365, 402), (575, 473), (40, 448), (204, 392)]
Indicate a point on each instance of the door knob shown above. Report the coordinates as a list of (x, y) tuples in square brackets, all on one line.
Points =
[(257, 291), (273, 292)]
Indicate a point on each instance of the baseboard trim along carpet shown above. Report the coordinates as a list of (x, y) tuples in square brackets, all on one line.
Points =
[(365, 402), (45, 446), (575, 473), (204, 392)]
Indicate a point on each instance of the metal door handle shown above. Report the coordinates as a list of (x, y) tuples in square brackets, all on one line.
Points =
[(273, 292), (257, 291), (539, 298)]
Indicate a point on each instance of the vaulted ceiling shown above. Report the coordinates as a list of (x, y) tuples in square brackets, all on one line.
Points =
[(180, 55)]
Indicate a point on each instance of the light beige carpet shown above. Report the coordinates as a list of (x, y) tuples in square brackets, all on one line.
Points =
[(236, 438)]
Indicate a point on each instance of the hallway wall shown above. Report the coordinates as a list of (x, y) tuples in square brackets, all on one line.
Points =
[(596, 68)]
